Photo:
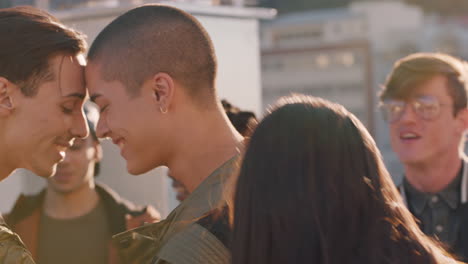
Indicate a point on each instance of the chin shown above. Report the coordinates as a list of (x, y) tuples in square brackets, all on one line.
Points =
[(45, 172), (410, 159), (63, 190), (136, 169)]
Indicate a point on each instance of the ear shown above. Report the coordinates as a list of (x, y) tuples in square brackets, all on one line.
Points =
[(97, 151), (163, 88), (6, 100), (462, 117)]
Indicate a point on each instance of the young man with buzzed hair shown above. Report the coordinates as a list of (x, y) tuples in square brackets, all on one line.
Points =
[(425, 103), (152, 73), (41, 98)]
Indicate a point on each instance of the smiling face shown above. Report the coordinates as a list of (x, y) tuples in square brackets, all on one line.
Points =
[(76, 171), (416, 140), (132, 122), (43, 126)]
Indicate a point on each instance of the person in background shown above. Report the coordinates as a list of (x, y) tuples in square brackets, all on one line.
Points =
[(312, 188), (243, 121), (73, 219), (424, 101)]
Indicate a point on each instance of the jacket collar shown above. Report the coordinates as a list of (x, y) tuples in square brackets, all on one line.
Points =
[(208, 195), (463, 188)]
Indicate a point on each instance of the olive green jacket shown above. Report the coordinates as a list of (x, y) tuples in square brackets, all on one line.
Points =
[(179, 239), (12, 249)]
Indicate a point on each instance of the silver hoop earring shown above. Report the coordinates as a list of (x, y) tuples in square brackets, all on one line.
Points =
[(163, 110)]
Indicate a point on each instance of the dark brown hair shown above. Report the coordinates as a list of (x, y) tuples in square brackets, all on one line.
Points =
[(30, 37), (313, 189), (243, 121), (157, 38), (415, 69)]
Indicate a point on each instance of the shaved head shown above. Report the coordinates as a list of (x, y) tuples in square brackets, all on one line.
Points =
[(152, 39)]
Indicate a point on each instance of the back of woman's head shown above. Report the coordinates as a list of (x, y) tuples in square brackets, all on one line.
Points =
[(313, 189)]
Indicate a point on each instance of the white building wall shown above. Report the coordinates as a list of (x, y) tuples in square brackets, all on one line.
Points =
[(319, 53), (392, 28), (386, 17), (9, 190)]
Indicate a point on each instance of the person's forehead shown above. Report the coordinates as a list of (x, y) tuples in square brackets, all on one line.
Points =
[(436, 86), (99, 87), (70, 75), (93, 77)]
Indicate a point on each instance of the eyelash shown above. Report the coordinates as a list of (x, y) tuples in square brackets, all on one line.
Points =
[(103, 109), (66, 110)]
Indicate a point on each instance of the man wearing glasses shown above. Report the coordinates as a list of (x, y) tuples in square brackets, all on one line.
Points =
[(424, 102)]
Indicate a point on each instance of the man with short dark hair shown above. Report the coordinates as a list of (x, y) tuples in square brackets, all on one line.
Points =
[(152, 73), (41, 96), (425, 104), (55, 224)]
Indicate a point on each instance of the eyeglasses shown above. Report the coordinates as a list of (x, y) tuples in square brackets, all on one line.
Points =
[(426, 107)]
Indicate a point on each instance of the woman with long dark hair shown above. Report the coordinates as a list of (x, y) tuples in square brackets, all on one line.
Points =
[(313, 189)]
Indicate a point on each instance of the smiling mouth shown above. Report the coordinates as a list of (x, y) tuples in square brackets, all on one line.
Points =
[(62, 177), (119, 142), (409, 136), (61, 148)]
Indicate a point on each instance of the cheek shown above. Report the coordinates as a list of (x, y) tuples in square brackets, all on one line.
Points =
[(129, 122), (441, 129), (394, 133), (441, 135), (52, 125), (114, 119), (459, 127)]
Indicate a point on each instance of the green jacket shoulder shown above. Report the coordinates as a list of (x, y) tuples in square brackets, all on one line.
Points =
[(12, 249)]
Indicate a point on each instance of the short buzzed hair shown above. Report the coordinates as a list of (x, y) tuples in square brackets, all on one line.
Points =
[(157, 38), (415, 69), (30, 38)]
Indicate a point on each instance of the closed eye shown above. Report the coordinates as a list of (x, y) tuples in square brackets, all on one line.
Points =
[(67, 110), (103, 108), (69, 107)]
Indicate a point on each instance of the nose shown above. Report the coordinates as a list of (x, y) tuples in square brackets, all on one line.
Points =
[(102, 130), (79, 128), (408, 114)]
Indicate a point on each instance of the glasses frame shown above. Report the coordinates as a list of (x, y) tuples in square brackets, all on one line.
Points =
[(418, 106)]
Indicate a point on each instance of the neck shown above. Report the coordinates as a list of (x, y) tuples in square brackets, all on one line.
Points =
[(5, 170), (6, 165), (212, 142), (434, 176), (70, 205)]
